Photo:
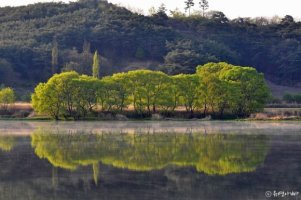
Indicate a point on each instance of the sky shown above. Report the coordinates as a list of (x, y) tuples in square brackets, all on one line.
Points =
[(232, 8)]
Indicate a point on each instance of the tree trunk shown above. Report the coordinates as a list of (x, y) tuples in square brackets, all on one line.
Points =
[(205, 110), (154, 108)]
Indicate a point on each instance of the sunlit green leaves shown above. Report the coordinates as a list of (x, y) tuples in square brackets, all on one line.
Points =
[(7, 96), (216, 88)]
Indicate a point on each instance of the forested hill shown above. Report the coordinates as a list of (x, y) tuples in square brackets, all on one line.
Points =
[(125, 40)]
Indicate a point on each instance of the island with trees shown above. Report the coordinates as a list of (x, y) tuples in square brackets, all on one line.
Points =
[(216, 89)]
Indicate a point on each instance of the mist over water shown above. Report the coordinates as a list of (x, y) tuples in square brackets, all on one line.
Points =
[(239, 127)]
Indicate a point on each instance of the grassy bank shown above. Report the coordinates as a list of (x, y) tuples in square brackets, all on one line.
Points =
[(278, 114), (24, 111)]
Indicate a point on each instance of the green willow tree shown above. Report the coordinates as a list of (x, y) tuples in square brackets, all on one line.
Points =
[(189, 87), (96, 65), (252, 91), (239, 90), (56, 97), (118, 89), (7, 97), (148, 86), (85, 104), (115, 92), (170, 96)]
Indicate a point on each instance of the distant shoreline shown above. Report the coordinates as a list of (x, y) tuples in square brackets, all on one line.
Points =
[(23, 111)]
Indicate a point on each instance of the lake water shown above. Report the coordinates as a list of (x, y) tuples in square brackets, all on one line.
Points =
[(150, 160)]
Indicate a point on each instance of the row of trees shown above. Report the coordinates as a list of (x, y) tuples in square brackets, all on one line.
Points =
[(204, 5), (292, 98), (216, 88)]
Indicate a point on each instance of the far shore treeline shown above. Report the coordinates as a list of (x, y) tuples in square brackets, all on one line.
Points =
[(215, 89)]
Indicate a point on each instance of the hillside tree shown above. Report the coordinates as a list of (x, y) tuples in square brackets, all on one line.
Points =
[(55, 57), (189, 4), (96, 65), (204, 4), (86, 58)]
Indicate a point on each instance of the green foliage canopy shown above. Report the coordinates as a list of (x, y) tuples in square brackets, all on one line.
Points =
[(218, 87), (7, 96), (240, 89), (56, 97)]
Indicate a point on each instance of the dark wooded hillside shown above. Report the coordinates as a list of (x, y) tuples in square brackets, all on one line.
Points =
[(125, 40)]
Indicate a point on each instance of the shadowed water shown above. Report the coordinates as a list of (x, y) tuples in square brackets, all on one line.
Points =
[(148, 160)]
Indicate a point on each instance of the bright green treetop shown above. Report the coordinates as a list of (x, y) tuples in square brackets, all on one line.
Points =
[(241, 90), (55, 97), (7, 96)]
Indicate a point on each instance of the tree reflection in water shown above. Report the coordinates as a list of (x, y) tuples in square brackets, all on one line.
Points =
[(213, 154), (7, 142)]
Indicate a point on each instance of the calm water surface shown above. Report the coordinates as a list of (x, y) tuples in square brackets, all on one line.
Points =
[(149, 160)]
